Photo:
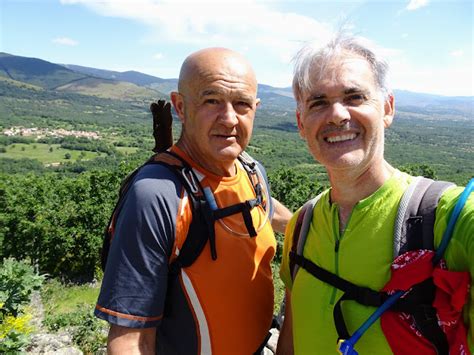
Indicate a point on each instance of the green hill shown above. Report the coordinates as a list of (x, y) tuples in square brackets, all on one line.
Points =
[(51, 76), (109, 89), (36, 71)]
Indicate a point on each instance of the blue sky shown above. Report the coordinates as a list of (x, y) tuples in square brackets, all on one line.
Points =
[(429, 44)]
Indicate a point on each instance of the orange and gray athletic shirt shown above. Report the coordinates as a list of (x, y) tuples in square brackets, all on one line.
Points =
[(212, 307)]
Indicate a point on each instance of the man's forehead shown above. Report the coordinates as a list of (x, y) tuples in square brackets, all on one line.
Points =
[(227, 88), (213, 65), (346, 74)]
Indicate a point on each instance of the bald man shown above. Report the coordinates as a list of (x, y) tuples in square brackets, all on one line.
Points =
[(220, 306)]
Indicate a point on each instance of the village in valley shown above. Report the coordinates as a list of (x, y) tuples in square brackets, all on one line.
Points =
[(47, 132)]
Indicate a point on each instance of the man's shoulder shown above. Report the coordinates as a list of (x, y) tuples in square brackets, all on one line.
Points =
[(449, 199), (154, 180)]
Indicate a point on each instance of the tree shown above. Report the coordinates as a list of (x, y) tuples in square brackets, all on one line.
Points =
[(58, 221), (293, 188), (67, 156), (419, 170)]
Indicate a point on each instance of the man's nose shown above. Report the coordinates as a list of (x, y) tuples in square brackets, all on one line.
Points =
[(228, 116), (339, 114)]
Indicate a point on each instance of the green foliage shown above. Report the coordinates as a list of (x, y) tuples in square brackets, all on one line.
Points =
[(419, 170), (57, 221), (20, 166), (278, 285), (14, 333), (71, 307), (88, 332), (81, 143), (7, 140), (59, 298), (293, 188), (17, 281), (45, 154)]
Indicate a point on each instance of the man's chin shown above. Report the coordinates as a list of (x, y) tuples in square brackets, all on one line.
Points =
[(229, 153)]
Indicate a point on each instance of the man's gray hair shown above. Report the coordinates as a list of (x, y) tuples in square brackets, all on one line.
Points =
[(312, 61)]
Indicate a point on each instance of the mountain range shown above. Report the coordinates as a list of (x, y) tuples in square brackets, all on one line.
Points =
[(131, 85)]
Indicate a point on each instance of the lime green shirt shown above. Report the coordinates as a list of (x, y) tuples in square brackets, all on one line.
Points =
[(363, 256)]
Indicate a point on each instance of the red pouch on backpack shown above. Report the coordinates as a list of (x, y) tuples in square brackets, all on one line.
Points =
[(452, 288)]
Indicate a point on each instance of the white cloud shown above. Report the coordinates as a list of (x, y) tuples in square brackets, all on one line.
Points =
[(251, 24), (457, 53), (451, 80), (264, 34), (65, 41), (416, 4)]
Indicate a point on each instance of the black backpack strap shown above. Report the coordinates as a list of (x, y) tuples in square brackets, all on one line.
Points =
[(360, 294), (201, 228), (414, 229), (416, 215), (253, 171), (300, 233)]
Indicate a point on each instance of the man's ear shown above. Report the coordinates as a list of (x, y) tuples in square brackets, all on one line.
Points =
[(300, 124), (257, 102), (389, 110), (178, 103)]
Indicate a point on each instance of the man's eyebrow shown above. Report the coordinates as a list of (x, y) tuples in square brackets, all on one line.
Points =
[(239, 96), (209, 92), (316, 97), (355, 90)]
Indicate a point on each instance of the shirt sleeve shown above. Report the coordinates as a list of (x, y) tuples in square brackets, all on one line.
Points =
[(459, 254), (136, 275), (285, 273)]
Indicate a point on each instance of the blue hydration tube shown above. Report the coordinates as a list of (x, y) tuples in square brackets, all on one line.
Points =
[(346, 347)]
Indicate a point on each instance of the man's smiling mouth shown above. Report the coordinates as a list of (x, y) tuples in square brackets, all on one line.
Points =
[(341, 138)]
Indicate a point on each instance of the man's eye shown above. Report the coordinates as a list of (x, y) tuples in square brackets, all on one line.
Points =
[(318, 104), (211, 101), (244, 104), (355, 99)]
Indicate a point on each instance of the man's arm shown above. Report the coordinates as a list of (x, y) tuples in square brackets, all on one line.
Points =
[(285, 341), (281, 216), (131, 341)]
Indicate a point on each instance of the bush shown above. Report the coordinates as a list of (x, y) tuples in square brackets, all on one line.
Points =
[(57, 222), (14, 333), (17, 282), (419, 170), (293, 188), (88, 332)]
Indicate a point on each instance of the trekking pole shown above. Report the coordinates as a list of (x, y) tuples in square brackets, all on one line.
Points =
[(346, 347)]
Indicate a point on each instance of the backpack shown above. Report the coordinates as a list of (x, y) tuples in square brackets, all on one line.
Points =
[(413, 230), (203, 207)]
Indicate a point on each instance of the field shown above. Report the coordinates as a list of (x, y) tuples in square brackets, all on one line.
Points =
[(48, 154)]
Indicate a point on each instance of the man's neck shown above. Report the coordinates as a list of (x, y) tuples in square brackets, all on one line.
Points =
[(349, 187)]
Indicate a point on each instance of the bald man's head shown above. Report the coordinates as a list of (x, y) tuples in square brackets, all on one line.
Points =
[(214, 61), (216, 104)]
